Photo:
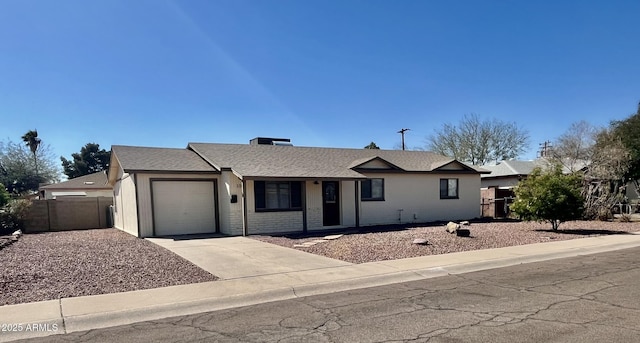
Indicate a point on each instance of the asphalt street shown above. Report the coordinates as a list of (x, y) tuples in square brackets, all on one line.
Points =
[(592, 298)]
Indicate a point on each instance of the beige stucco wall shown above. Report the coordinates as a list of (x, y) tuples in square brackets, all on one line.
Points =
[(230, 213), (500, 182), (418, 198), (348, 207), (418, 195), (144, 195), (124, 201)]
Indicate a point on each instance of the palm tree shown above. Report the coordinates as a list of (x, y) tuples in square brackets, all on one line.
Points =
[(33, 142)]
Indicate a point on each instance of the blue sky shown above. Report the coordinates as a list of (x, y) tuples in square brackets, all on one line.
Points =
[(323, 73)]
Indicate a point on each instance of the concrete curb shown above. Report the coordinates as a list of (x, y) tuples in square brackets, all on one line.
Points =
[(109, 319), (93, 312)]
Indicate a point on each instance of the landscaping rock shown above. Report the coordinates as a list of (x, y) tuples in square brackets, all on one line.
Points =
[(465, 223), (452, 227), (463, 232), (420, 241), (332, 237), (88, 262), (381, 245), (308, 244), (5, 241)]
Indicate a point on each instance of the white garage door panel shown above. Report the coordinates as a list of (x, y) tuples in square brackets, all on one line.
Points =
[(183, 207)]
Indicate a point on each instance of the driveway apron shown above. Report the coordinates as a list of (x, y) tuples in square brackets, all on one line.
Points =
[(239, 257)]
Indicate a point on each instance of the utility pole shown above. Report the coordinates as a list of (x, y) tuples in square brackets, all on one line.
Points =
[(545, 148), (401, 132)]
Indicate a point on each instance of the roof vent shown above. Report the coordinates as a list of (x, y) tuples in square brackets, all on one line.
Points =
[(89, 182), (270, 141)]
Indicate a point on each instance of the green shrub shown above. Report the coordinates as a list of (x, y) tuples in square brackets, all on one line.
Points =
[(4, 196), (549, 196), (13, 215)]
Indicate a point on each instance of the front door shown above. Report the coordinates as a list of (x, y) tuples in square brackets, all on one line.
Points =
[(330, 203)]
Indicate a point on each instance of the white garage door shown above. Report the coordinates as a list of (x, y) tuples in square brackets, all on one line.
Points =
[(183, 207)]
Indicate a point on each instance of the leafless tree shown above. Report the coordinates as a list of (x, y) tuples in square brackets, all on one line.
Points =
[(574, 149), (479, 141), (604, 179)]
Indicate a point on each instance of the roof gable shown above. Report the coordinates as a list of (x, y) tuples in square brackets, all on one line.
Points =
[(373, 163), (454, 165)]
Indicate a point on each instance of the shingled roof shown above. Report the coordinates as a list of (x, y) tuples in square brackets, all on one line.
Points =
[(253, 161), (133, 158), (91, 181), (511, 168), (272, 161), (516, 168)]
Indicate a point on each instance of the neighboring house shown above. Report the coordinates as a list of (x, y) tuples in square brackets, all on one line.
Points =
[(92, 185), (265, 187), (497, 186), (507, 174)]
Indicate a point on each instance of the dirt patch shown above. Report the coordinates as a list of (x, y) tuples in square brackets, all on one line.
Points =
[(55, 265), (397, 242)]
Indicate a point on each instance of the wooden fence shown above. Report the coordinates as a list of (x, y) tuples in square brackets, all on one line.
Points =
[(70, 213)]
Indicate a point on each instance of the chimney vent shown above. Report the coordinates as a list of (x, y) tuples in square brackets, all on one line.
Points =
[(270, 141)]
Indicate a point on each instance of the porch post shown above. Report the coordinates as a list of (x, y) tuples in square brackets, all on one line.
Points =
[(304, 206), (357, 202), (245, 229)]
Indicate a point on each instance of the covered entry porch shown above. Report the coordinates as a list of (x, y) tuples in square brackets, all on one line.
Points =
[(299, 205)]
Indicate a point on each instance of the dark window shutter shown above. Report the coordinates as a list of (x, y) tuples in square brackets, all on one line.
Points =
[(443, 188), (365, 192), (258, 190), (296, 194)]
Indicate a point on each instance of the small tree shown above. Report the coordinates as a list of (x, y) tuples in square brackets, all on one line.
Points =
[(17, 170), (372, 145), (549, 196), (91, 159)]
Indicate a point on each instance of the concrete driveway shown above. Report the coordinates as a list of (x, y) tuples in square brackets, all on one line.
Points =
[(239, 257)]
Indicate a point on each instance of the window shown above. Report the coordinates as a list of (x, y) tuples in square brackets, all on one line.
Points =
[(278, 195), (448, 188), (372, 190)]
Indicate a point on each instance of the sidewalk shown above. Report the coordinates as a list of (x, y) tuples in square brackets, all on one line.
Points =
[(99, 311)]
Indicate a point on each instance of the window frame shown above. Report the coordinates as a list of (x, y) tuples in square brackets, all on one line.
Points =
[(371, 198), (444, 193), (260, 191)]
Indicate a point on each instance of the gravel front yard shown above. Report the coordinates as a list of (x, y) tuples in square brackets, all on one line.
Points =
[(390, 245), (56, 265)]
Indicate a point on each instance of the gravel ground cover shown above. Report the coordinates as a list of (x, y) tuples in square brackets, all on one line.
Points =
[(389, 243), (55, 265)]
